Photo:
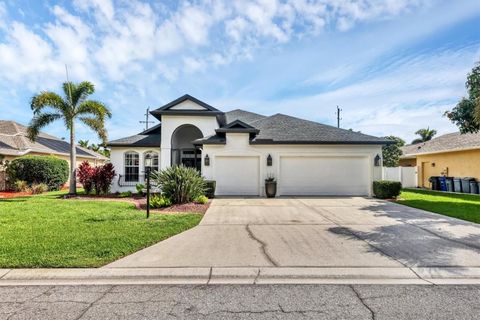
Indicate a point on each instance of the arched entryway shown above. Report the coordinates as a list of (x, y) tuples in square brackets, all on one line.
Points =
[(183, 150)]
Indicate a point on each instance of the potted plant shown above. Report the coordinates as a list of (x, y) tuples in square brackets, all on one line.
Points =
[(270, 187)]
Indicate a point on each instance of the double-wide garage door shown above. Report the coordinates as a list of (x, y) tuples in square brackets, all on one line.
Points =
[(311, 175), (298, 175)]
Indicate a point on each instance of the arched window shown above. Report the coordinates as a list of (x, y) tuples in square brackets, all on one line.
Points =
[(154, 156), (132, 165)]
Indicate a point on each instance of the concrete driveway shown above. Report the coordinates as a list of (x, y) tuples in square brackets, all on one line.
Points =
[(345, 232)]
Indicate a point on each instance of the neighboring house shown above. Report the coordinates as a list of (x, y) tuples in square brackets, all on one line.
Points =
[(452, 154), (14, 143), (239, 149)]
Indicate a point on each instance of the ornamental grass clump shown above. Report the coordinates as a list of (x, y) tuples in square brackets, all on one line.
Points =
[(180, 184)]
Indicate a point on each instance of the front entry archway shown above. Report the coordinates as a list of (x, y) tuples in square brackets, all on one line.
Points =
[(183, 150)]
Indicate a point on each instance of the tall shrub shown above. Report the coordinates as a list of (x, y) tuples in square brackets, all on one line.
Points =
[(103, 178), (180, 184), (49, 170), (85, 174), (96, 178)]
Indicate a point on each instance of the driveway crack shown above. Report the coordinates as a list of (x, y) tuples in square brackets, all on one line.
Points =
[(263, 246), (372, 313)]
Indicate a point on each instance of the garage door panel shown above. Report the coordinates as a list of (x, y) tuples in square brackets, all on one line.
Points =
[(237, 175), (324, 176)]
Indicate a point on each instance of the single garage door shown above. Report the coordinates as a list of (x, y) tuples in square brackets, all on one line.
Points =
[(237, 175), (324, 175)]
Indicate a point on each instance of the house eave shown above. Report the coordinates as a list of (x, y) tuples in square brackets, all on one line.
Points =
[(296, 142)]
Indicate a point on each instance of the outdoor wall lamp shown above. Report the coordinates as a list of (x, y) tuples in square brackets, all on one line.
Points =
[(377, 160), (206, 161), (148, 167), (269, 161)]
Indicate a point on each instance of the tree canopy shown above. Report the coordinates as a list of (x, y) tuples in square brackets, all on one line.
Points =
[(466, 114), (391, 153)]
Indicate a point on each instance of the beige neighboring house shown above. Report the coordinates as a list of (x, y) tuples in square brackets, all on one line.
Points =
[(452, 154), (14, 143)]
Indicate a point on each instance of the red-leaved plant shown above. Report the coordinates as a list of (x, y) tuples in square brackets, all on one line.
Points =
[(85, 173), (103, 178), (96, 178)]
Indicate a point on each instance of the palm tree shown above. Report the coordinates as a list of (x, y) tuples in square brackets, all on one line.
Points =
[(83, 143), (48, 106), (425, 135)]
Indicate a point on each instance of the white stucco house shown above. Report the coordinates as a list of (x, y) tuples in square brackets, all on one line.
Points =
[(239, 149)]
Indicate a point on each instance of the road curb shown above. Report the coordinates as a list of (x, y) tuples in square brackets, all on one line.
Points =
[(244, 275)]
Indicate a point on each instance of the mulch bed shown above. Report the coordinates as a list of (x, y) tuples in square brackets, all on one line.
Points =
[(141, 204), (13, 194), (186, 207)]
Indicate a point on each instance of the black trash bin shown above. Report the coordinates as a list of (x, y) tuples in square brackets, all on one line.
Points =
[(457, 184), (473, 187), (450, 186), (435, 182), (466, 184)]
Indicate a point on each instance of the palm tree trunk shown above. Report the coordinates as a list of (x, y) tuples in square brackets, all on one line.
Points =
[(73, 161)]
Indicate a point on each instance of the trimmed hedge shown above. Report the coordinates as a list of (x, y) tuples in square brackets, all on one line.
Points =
[(385, 189), (49, 170)]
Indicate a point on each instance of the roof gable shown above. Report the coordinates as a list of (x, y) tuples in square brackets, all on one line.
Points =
[(186, 105), (238, 126)]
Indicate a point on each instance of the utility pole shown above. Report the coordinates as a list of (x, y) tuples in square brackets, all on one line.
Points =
[(147, 114), (338, 116)]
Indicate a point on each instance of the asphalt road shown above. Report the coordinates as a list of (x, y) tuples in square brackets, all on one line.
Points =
[(240, 302)]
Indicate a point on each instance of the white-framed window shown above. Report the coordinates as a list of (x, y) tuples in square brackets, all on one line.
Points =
[(132, 166), (154, 156)]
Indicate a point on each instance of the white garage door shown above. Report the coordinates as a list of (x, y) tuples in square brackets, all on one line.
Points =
[(324, 176), (237, 175)]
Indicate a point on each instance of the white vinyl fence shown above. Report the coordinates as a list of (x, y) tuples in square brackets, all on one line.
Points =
[(406, 175)]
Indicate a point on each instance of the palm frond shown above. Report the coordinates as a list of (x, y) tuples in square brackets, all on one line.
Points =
[(97, 125), (39, 121), (79, 92), (93, 107), (47, 99)]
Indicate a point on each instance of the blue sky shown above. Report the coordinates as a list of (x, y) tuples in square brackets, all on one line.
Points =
[(393, 66)]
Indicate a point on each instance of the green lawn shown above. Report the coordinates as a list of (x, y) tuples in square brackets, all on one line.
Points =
[(461, 206), (46, 231)]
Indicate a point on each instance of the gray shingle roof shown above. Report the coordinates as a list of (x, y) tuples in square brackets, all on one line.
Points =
[(285, 129), (445, 143), (148, 138), (14, 141), (276, 129), (242, 115)]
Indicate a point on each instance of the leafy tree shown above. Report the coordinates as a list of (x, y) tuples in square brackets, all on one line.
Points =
[(391, 153), (73, 106), (466, 114), (425, 135)]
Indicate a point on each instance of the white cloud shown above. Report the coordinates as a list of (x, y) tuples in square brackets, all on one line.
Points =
[(3, 15), (25, 56), (193, 65), (194, 24), (103, 8)]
